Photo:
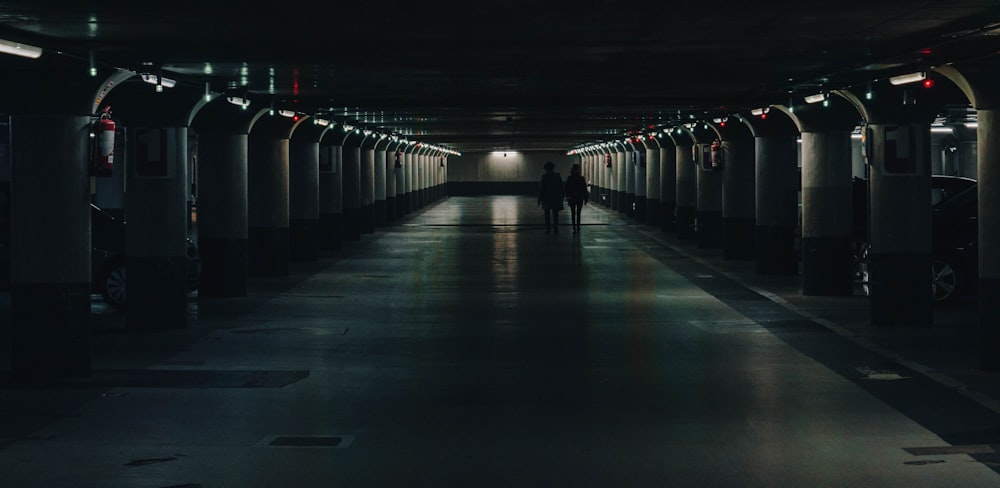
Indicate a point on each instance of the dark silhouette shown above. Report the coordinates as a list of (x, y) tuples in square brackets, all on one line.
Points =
[(576, 195), (550, 197)]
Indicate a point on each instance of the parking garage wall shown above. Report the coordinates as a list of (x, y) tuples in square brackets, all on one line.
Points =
[(503, 172)]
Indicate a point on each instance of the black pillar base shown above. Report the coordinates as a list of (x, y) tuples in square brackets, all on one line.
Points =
[(368, 219), (639, 204), (223, 267), (776, 251), (157, 293), (304, 235), (685, 222), (627, 205), (739, 238), (667, 220), (827, 266), (400, 207), (331, 231), (49, 331), (390, 209), (653, 209), (380, 213), (267, 251), (352, 224), (615, 200), (709, 230), (989, 326), (901, 292)]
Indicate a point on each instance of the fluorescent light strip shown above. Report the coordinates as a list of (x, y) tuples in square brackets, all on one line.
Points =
[(238, 101), (18, 49), (819, 97), (908, 78), (158, 80)]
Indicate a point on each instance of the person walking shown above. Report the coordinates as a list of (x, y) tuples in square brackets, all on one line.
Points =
[(550, 197), (576, 195)]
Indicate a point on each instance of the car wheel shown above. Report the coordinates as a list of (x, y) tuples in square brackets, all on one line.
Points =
[(946, 279), (113, 284)]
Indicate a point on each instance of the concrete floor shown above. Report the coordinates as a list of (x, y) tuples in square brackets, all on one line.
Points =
[(464, 347)]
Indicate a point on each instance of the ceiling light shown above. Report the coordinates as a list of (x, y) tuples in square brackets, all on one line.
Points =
[(972, 125), (941, 130), (18, 49), (321, 122), (760, 111), (239, 101), (907, 78), (158, 80), (819, 97), (348, 128), (286, 113)]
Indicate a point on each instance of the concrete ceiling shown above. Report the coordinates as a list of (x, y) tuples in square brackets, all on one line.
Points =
[(515, 75)]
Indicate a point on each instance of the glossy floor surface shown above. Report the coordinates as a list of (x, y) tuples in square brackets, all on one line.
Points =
[(463, 346)]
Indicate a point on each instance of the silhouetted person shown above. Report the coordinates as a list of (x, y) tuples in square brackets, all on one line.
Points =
[(576, 195), (550, 197)]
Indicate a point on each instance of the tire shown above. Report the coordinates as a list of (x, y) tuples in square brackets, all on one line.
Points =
[(946, 279), (113, 284)]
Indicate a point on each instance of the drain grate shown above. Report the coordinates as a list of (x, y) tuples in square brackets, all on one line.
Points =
[(310, 441)]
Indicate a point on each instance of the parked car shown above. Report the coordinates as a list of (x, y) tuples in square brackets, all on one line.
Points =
[(107, 259), (954, 236)]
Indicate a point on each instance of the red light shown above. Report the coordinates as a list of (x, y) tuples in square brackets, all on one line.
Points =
[(295, 118), (929, 83), (722, 124), (763, 116)]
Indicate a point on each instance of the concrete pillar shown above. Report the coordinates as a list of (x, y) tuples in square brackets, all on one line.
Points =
[(709, 203), (988, 170), (267, 208), (687, 192), (368, 164), (739, 224), (331, 202), (351, 166), (421, 179), (609, 175), (50, 247), (777, 200), (668, 186), (653, 207), (390, 182), (400, 172), (409, 161), (303, 186), (156, 246), (640, 165), (900, 224), (631, 163), (222, 213), (620, 163), (380, 183), (827, 266)]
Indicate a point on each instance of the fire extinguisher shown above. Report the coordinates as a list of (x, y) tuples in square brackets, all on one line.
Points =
[(607, 160), (718, 156), (103, 144), (399, 160)]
